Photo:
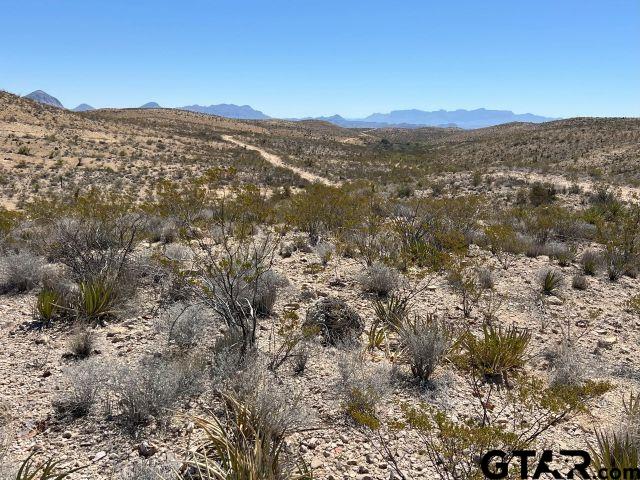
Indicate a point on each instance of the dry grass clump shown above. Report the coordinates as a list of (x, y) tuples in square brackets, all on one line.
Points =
[(579, 282), (361, 387), (590, 261), (20, 272), (242, 445), (380, 279), (149, 390), (425, 342), (184, 325), (82, 343), (84, 383)]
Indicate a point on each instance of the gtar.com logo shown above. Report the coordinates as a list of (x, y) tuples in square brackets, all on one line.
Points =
[(496, 464)]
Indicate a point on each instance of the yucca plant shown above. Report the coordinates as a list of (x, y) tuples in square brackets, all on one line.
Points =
[(48, 470), (590, 261), (96, 301), (242, 447), (48, 305), (550, 281), (615, 451), (496, 353), (392, 311), (376, 336)]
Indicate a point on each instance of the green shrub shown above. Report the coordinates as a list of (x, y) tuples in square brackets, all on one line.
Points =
[(392, 311), (96, 301), (48, 470), (541, 193), (24, 150), (550, 281), (633, 304), (48, 305), (615, 450), (496, 353)]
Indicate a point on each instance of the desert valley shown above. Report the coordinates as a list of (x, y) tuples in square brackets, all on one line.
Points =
[(185, 295)]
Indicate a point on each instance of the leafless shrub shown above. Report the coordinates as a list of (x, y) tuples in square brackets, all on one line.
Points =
[(425, 341), (579, 282), (161, 229), (229, 358), (184, 325), (149, 390), (82, 387), (485, 279), (560, 252), (278, 408), (20, 272), (325, 251), (567, 368), (233, 281), (378, 278), (336, 320), (177, 252)]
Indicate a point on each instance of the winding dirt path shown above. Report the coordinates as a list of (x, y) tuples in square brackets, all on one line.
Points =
[(277, 161)]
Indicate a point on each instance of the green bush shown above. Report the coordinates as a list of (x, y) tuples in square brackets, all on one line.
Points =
[(496, 353), (550, 281), (48, 305), (96, 301)]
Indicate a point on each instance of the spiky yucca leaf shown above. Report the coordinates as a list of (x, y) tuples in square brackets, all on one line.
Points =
[(243, 448), (497, 352), (615, 451), (96, 301), (48, 470)]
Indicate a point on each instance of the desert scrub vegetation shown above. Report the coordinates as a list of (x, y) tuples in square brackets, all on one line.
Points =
[(496, 353), (361, 387), (550, 281), (425, 342), (20, 272), (235, 280), (242, 445), (379, 279), (336, 321), (149, 390), (530, 409), (619, 448)]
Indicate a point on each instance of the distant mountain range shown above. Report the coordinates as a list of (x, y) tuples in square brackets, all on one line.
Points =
[(478, 118), (466, 119), (228, 110)]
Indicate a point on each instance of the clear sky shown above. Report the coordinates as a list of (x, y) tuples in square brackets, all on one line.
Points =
[(306, 57)]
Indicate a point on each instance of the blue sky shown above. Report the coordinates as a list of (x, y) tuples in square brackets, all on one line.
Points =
[(306, 57)]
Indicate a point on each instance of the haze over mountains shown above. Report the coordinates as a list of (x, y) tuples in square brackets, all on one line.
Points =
[(413, 118)]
